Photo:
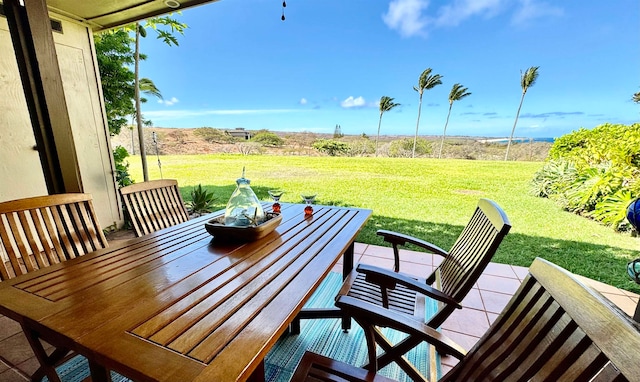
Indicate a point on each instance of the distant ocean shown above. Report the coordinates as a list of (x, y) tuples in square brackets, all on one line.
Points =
[(521, 140)]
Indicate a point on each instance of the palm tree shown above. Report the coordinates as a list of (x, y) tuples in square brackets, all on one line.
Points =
[(527, 80), (636, 97), (457, 93), (386, 104), (159, 25), (425, 82)]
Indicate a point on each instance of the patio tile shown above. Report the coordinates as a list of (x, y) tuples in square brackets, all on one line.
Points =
[(492, 317), (466, 341), (8, 327), (360, 248), (468, 321), (625, 303), (521, 272), (498, 284), (418, 270), (16, 349), (494, 302), (377, 261), (379, 251), (29, 366), (503, 270), (437, 260), (416, 257), (473, 300), (12, 376)]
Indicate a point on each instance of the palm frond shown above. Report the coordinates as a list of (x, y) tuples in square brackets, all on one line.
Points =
[(528, 78), (457, 93), (386, 104)]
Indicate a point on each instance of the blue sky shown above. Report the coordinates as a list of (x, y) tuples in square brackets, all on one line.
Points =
[(330, 61)]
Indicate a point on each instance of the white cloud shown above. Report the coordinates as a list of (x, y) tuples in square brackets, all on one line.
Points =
[(531, 10), (406, 17), (168, 102), (353, 102), (460, 10), (410, 18), (303, 101)]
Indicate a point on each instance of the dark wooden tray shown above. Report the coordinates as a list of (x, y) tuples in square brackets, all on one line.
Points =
[(219, 231)]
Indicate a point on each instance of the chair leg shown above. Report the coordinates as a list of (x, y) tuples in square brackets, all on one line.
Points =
[(396, 353), (369, 336), (294, 327), (374, 337)]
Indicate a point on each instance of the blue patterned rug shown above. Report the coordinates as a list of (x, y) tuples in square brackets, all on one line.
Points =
[(77, 369), (321, 336), (325, 336)]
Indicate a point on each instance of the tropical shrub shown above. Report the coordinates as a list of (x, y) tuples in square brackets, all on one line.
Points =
[(361, 147), (212, 135), (403, 148), (331, 147), (594, 172), (268, 138)]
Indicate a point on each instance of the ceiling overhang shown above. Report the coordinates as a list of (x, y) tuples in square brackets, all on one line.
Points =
[(106, 14)]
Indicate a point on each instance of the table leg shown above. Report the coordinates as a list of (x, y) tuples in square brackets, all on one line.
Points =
[(347, 267), (258, 373), (313, 313), (98, 372), (47, 362)]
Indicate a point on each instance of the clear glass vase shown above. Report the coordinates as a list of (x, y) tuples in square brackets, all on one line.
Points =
[(244, 208)]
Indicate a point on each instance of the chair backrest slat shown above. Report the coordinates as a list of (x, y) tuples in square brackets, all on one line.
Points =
[(470, 255), (554, 328), (40, 231), (154, 205)]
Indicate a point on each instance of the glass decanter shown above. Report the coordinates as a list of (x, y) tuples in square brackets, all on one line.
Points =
[(244, 208)]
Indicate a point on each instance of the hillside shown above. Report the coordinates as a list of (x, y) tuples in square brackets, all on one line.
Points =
[(176, 141)]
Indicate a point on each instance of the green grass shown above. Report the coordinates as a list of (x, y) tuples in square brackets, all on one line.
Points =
[(428, 198)]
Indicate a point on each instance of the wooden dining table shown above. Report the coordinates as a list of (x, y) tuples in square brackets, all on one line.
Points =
[(180, 305)]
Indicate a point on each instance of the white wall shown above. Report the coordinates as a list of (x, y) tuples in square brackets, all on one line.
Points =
[(20, 169)]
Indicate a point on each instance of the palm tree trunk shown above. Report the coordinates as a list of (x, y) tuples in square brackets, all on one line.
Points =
[(415, 137), (506, 155), (445, 131), (143, 153), (378, 136)]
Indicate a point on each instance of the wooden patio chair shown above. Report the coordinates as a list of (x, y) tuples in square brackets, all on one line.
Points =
[(554, 328), (449, 283), (44, 230), (154, 205)]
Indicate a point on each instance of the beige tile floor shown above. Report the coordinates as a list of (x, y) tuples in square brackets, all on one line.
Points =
[(483, 304)]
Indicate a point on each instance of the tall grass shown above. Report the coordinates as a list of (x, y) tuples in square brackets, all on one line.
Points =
[(428, 198)]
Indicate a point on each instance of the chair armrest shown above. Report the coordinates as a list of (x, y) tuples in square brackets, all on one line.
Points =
[(389, 279), (401, 239), (376, 315)]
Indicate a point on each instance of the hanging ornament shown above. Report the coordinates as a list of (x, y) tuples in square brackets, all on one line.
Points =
[(284, 5)]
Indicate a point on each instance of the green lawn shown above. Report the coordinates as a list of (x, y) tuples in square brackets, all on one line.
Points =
[(428, 198)]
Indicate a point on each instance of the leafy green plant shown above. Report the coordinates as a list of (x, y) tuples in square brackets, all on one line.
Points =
[(202, 201), (331, 147), (612, 210), (123, 178), (606, 169), (212, 135), (267, 138), (404, 148), (553, 178)]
